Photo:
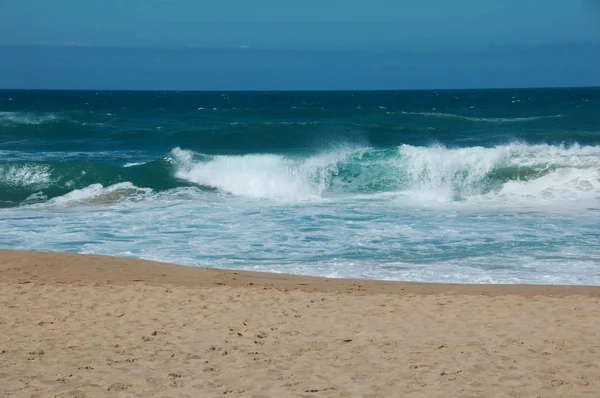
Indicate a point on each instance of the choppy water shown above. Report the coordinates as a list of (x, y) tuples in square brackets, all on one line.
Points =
[(497, 186)]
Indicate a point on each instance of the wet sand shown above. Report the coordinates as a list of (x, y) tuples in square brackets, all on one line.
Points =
[(96, 326)]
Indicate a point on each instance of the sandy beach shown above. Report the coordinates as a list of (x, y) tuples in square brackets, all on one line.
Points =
[(95, 326)]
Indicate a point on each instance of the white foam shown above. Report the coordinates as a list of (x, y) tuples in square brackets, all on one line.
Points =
[(35, 197), (24, 175), (263, 176), (439, 174), (132, 164), (568, 184), (26, 118), (371, 236), (98, 194), (423, 174), (438, 170)]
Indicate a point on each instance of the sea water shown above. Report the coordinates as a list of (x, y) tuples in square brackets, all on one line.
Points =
[(483, 186)]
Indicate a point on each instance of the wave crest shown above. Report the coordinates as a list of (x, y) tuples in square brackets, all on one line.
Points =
[(27, 118), (482, 119), (516, 170), (436, 173), (263, 176), (446, 174)]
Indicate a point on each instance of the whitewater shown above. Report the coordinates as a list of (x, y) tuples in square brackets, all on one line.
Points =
[(414, 186)]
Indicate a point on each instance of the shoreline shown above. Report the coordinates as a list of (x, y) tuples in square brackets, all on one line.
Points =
[(58, 267)]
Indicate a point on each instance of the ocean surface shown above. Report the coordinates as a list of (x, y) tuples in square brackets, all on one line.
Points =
[(485, 186)]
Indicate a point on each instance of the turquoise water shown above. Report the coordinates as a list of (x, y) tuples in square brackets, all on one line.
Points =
[(496, 186)]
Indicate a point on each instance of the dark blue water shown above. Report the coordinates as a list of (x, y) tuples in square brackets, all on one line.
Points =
[(467, 186)]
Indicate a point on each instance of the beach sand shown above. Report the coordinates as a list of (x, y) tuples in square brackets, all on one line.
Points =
[(95, 326)]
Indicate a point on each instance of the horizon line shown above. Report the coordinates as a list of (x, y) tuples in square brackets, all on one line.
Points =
[(491, 47), (302, 90)]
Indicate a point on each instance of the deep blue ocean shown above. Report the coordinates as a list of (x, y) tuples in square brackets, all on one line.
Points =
[(482, 186)]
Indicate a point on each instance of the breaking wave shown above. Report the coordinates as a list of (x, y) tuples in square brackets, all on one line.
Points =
[(438, 173)]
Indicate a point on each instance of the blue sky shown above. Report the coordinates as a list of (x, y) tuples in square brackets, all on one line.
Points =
[(268, 36)]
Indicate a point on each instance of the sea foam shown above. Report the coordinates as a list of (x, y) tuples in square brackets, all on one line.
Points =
[(518, 170), (26, 118)]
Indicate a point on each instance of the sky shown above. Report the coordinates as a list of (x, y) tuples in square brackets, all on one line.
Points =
[(274, 44)]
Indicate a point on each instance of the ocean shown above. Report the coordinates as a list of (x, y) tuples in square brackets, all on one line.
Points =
[(469, 186)]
